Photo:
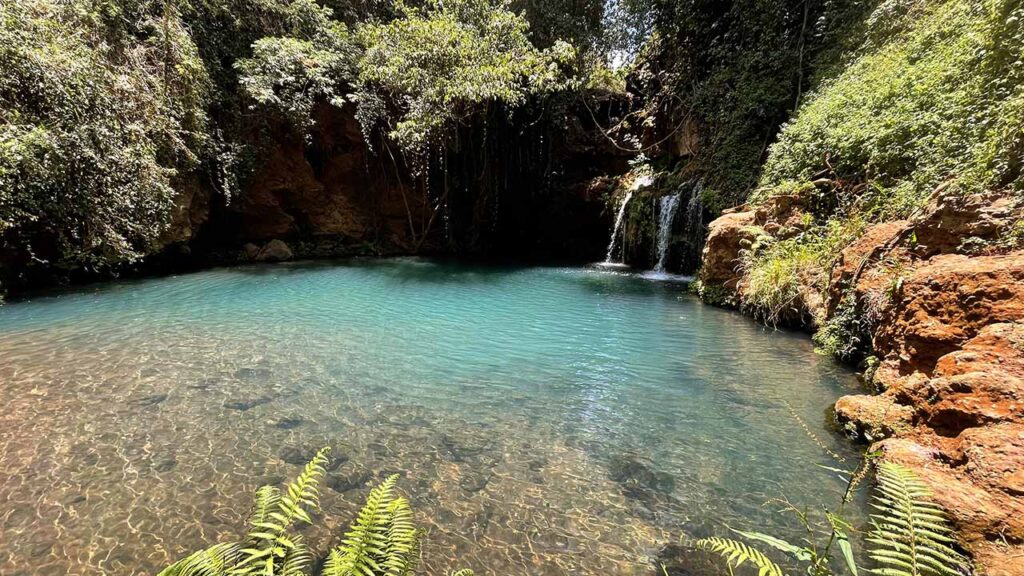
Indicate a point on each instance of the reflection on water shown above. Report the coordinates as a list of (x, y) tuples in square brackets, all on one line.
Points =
[(545, 420)]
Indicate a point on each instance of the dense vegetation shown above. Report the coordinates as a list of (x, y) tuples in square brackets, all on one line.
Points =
[(106, 108), (100, 103), (930, 103), (109, 107)]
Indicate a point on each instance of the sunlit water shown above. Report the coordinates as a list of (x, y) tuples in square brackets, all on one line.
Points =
[(545, 420)]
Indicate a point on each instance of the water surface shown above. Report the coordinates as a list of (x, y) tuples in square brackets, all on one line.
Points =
[(545, 420)]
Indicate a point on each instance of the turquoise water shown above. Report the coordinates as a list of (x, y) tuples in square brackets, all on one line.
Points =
[(545, 420)]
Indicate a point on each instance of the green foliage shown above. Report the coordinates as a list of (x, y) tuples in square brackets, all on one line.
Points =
[(713, 294), (434, 67), (844, 335), (98, 111), (911, 534), (382, 541), (737, 71), (784, 279), (935, 95), (736, 553), (290, 74)]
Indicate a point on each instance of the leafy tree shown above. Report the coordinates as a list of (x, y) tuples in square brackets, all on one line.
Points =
[(440, 65), (290, 74), (100, 105)]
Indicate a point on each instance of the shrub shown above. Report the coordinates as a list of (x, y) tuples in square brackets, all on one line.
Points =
[(932, 96), (785, 279), (99, 108)]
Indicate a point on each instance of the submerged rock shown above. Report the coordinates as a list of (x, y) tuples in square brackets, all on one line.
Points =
[(350, 479), (630, 472), (148, 400), (297, 455), (289, 423), (243, 405), (462, 447), (251, 374), (165, 464), (473, 481)]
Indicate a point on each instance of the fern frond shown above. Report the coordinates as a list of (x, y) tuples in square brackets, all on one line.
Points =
[(265, 502), (214, 561), (911, 534), (736, 553), (383, 540), (403, 539), (296, 560), (269, 545)]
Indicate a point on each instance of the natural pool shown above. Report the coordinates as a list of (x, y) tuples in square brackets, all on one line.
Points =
[(546, 420)]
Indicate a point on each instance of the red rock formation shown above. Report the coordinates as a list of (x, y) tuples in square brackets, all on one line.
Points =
[(947, 326), (726, 237)]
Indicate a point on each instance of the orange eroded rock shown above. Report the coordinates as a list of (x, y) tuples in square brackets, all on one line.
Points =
[(946, 301), (948, 329), (726, 236)]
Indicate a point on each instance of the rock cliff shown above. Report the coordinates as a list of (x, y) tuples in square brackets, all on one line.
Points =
[(941, 301)]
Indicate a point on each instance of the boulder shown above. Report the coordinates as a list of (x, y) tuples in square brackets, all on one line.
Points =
[(727, 235), (274, 251), (872, 418), (947, 301), (250, 251)]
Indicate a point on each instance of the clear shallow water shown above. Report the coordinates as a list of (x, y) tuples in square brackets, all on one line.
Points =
[(546, 420)]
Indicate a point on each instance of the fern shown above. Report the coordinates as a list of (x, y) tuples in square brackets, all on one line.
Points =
[(382, 541), (214, 561), (911, 534), (736, 553), (270, 546)]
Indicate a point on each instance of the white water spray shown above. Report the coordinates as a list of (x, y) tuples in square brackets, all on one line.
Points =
[(615, 230), (667, 207)]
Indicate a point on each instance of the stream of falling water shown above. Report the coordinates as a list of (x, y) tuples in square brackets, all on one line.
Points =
[(667, 207), (617, 227)]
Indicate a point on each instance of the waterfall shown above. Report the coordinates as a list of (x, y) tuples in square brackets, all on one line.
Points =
[(618, 225), (667, 207), (695, 224)]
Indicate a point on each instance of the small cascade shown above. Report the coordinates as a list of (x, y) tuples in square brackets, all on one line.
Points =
[(617, 227), (667, 207), (695, 224)]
